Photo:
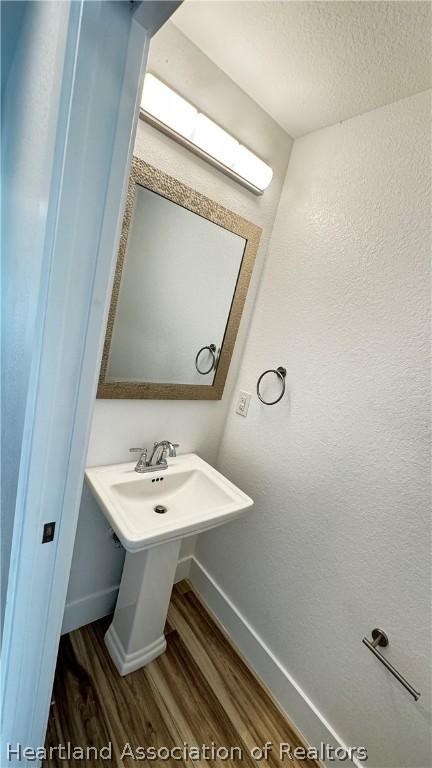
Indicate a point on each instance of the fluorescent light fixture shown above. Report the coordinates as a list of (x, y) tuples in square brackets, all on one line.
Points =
[(168, 107), (249, 166), (172, 114), (215, 141)]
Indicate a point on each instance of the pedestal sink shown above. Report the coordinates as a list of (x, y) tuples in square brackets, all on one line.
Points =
[(150, 514)]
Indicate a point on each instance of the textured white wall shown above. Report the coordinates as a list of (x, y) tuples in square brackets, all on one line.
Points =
[(197, 426), (339, 540)]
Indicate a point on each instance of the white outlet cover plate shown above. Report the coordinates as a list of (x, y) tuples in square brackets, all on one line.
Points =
[(243, 403)]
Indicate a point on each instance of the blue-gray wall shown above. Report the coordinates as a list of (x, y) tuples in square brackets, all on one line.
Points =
[(29, 90)]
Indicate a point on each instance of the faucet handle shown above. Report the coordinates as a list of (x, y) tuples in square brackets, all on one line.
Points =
[(142, 459), (142, 455)]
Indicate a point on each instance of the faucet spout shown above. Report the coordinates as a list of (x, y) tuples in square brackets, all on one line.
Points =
[(160, 452), (158, 458)]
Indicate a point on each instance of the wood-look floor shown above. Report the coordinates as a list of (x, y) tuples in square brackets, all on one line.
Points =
[(200, 691)]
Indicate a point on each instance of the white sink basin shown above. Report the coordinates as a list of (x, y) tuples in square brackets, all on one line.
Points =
[(195, 495)]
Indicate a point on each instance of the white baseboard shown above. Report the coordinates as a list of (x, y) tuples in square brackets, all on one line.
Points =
[(304, 715), (99, 604), (183, 568), (89, 608)]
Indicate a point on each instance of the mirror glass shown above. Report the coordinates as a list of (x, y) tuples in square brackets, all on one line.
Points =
[(183, 269), (177, 285)]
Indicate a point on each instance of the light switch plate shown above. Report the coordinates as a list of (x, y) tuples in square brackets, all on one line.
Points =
[(243, 403)]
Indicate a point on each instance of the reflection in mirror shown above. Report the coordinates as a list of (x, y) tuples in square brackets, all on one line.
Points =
[(178, 281), (182, 275)]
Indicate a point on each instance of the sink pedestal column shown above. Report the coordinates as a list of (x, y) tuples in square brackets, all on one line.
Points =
[(136, 635)]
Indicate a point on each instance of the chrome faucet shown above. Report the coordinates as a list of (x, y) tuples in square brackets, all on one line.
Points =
[(161, 451), (158, 458)]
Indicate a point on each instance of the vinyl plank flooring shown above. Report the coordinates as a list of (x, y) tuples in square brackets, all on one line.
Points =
[(191, 703), (199, 692), (130, 706), (256, 717), (83, 714)]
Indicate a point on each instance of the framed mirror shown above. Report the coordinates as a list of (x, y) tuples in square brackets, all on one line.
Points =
[(182, 275)]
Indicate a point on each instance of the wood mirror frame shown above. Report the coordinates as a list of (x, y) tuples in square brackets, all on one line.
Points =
[(168, 187)]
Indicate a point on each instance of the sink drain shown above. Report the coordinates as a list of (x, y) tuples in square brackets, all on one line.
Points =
[(160, 509)]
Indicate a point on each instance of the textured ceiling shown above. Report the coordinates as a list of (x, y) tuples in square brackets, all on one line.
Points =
[(312, 64)]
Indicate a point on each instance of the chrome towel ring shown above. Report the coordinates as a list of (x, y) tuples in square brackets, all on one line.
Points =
[(281, 373), (212, 349)]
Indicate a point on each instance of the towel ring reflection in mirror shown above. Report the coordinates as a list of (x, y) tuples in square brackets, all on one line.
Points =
[(212, 349), (281, 374)]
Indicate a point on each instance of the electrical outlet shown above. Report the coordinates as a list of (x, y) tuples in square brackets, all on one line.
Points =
[(243, 403)]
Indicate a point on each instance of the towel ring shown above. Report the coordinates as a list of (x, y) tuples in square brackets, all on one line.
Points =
[(212, 349), (281, 373)]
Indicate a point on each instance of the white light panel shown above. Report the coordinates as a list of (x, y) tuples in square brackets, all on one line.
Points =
[(215, 141), (250, 166), (168, 107)]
